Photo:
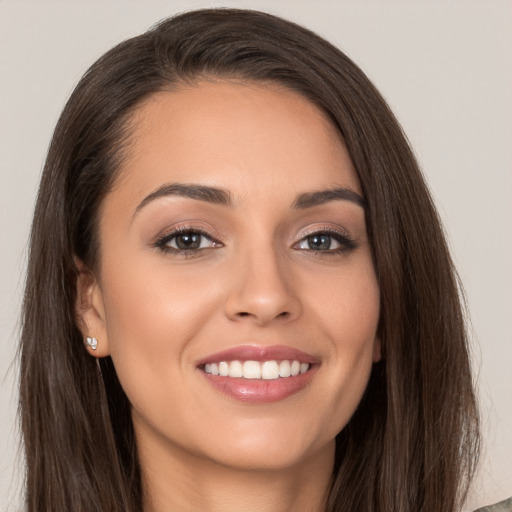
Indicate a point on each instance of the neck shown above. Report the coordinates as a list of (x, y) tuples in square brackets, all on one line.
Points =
[(174, 481)]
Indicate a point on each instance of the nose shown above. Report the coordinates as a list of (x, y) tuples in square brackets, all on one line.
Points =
[(261, 290)]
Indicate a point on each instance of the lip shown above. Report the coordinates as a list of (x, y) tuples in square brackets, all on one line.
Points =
[(259, 391), (259, 353)]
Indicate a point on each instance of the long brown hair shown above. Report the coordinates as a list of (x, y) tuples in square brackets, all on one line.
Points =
[(411, 445)]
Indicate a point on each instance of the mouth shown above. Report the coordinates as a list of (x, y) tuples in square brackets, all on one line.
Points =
[(266, 370), (257, 374)]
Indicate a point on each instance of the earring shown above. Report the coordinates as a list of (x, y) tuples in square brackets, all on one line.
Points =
[(91, 342)]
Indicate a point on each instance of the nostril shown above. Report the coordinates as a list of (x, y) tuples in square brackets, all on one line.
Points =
[(245, 314)]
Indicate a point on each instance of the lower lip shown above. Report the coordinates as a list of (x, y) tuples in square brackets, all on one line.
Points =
[(260, 391)]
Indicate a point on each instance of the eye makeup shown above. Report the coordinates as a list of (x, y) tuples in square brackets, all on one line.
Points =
[(189, 240), (186, 241), (326, 241)]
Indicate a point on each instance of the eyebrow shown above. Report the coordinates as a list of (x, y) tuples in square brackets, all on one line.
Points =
[(222, 197), (201, 192), (310, 199)]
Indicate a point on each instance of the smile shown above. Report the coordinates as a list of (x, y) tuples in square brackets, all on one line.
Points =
[(266, 370), (256, 374)]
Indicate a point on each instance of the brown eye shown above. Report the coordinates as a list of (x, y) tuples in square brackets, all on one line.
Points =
[(186, 241)]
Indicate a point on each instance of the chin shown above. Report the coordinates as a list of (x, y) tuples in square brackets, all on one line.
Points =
[(263, 450)]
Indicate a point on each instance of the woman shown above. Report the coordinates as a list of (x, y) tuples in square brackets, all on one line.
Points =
[(232, 223)]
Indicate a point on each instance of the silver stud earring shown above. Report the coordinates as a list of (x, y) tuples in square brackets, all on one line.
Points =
[(91, 342)]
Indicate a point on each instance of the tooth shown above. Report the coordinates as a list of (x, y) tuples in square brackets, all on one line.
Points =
[(284, 369), (295, 368), (270, 370), (235, 369), (223, 369), (251, 370)]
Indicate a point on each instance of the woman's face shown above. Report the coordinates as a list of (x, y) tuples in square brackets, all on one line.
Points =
[(234, 254)]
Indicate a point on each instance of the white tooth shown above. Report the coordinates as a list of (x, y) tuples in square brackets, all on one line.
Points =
[(223, 369), (252, 370), (235, 369), (270, 370), (295, 368), (284, 369)]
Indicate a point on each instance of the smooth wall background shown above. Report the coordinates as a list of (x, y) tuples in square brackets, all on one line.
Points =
[(444, 66)]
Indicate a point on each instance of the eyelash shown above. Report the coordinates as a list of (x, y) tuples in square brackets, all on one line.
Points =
[(347, 244), (161, 242)]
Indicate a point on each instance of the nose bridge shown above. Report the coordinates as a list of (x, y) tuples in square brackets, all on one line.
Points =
[(261, 287)]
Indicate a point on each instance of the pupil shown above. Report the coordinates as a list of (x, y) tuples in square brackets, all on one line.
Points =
[(319, 242), (188, 241)]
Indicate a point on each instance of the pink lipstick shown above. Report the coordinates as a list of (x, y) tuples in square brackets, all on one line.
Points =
[(257, 374)]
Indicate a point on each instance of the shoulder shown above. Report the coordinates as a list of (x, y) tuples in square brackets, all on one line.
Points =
[(502, 506)]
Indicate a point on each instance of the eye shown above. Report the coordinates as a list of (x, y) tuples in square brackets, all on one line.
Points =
[(186, 241), (189, 240), (326, 241), (318, 242)]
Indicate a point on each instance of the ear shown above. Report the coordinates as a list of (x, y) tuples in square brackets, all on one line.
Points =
[(90, 310), (377, 350)]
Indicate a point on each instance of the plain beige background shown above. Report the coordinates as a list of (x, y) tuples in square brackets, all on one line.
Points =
[(445, 68)]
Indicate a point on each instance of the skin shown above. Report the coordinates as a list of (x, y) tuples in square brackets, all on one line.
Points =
[(157, 313)]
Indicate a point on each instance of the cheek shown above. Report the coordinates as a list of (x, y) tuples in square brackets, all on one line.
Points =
[(151, 301), (353, 319), (152, 312), (347, 305), (348, 316)]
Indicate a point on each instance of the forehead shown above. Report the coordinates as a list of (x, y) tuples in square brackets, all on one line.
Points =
[(245, 137)]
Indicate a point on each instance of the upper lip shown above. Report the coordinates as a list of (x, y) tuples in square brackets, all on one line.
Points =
[(259, 353)]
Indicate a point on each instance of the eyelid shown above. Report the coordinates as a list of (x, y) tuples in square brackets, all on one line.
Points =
[(189, 225), (329, 229)]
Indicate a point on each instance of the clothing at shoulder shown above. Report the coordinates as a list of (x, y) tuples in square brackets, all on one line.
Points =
[(502, 506)]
